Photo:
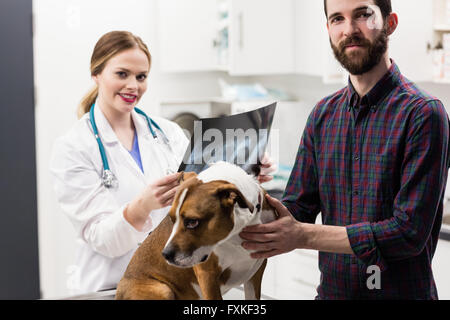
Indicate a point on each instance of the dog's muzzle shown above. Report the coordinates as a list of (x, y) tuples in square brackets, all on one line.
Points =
[(169, 254)]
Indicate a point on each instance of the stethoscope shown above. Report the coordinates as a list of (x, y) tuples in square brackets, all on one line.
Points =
[(109, 180)]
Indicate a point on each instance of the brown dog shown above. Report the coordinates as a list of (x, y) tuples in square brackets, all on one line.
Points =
[(196, 252)]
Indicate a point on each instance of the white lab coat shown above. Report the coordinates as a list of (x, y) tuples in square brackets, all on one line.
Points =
[(106, 240)]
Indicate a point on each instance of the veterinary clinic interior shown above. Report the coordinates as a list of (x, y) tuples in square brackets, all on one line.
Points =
[(209, 59)]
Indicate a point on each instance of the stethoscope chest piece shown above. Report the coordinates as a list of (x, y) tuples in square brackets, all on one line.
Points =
[(162, 139), (109, 180)]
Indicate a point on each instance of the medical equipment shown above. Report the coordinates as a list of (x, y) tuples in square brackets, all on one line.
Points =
[(109, 180)]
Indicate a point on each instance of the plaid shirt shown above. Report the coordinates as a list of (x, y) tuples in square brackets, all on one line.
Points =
[(378, 166)]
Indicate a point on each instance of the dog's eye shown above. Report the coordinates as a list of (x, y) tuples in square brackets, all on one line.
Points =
[(191, 223)]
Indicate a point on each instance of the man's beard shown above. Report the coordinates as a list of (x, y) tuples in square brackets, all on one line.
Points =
[(361, 61)]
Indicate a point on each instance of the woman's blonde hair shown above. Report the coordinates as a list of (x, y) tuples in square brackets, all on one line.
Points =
[(107, 47)]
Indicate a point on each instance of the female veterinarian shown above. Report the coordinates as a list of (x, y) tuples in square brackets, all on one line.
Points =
[(114, 171)]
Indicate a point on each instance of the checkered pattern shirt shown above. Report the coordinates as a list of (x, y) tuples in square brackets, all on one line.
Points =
[(378, 166)]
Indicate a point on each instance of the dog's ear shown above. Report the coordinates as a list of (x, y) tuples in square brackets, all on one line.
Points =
[(229, 195), (185, 176)]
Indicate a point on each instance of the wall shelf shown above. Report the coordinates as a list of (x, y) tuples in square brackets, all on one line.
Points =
[(442, 27), (442, 81)]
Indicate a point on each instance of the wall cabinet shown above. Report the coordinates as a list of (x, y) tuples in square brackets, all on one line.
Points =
[(408, 45), (313, 51), (261, 37), (187, 30), (242, 37)]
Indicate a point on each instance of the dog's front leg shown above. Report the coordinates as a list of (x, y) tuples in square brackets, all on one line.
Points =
[(208, 274), (252, 288)]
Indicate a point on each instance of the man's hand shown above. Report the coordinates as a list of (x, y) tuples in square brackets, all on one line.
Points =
[(276, 237)]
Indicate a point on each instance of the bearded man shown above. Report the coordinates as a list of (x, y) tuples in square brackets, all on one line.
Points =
[(373, 159)]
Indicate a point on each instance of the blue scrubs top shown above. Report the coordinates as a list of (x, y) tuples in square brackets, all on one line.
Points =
[(135, 153)]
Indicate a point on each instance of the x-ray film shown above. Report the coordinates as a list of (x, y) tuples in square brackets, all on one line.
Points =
[(240, 139)]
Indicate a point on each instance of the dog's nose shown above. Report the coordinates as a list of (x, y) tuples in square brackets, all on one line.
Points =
[(168, 254)]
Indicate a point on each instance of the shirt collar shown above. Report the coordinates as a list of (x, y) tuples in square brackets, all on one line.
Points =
[(378, 92)]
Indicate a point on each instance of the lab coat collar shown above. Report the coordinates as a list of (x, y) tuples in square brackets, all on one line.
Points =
[(141, 125), (106, 132)]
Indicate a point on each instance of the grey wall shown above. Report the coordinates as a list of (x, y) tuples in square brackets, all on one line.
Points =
[(19, 264)]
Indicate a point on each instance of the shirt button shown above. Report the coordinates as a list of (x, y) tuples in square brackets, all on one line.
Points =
[(355, 193), (356, 158)]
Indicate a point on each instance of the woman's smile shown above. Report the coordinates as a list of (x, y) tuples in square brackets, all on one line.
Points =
[(128, 98)]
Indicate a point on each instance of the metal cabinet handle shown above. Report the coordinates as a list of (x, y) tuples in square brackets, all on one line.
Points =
[(241, 30)]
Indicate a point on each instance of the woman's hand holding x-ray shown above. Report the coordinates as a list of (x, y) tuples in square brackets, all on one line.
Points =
[(156, 195), (160, 194)]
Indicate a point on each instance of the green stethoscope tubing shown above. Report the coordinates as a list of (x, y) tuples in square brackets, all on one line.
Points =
[(108, 176)]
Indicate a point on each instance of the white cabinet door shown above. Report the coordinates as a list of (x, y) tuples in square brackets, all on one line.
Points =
[(441, 267), (408, 44), (261, 37), (312, 37), (292, 276), (313, 51), (187, 30)]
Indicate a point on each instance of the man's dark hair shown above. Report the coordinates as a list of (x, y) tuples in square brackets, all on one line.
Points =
[(385, 7)]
